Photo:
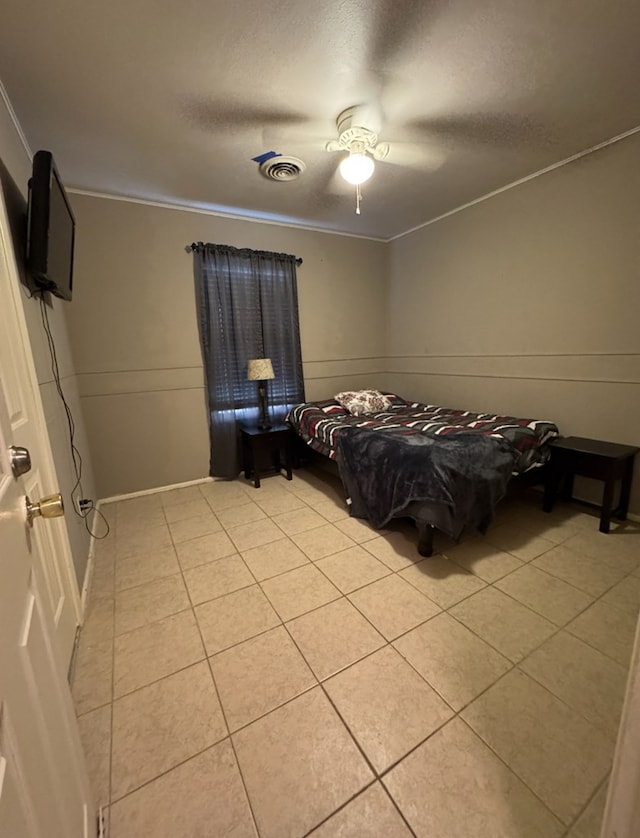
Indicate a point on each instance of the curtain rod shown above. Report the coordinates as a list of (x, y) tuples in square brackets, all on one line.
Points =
[(189, 248)]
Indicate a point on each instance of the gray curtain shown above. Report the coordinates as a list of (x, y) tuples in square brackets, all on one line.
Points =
[(247, 304)]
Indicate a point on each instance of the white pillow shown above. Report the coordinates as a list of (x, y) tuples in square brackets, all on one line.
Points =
[(359, 402)]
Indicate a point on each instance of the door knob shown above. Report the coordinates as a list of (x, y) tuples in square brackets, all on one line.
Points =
[(20, 460), (49, 507)]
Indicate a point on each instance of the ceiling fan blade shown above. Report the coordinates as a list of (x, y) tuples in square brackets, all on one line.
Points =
[(416, 155), (211, 115), (395, 28), (334, 183), (497, 129), (380, 151), (329, 190), (324, 177), (312, 137)]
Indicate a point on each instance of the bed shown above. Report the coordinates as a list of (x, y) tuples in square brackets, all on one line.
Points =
[(445, 468)]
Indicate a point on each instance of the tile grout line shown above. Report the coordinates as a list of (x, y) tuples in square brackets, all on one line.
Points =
[(340, 808), (596, 792), (162, 677), (166, 771)]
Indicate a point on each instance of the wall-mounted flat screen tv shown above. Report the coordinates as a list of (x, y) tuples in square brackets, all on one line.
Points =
[(50, 229)]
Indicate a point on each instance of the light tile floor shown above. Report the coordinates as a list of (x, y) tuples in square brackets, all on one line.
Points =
[(255, 662)]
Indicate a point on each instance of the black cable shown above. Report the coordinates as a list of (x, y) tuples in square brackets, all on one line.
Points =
[(76, 457)]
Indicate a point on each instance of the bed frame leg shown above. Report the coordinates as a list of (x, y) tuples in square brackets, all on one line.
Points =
[(425, 539)]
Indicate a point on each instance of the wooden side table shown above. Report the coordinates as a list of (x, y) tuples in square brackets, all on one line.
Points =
[(259, 445), (594, 458)]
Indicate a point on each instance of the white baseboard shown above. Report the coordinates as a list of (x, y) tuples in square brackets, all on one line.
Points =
[(115, 498), (86, 582)]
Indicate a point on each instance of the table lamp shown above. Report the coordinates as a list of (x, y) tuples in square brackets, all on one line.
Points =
[(260, 369)]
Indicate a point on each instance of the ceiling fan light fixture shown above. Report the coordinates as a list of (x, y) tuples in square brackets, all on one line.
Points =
[(357, 168)]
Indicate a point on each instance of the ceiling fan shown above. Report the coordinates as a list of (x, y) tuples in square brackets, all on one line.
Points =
[(361, 143), (358, 128)]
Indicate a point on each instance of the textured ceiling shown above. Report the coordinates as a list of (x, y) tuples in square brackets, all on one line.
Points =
[(169, 101)]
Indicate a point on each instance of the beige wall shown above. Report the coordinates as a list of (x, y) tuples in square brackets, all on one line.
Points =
[(529, 303), (134, 334), (15, 170)]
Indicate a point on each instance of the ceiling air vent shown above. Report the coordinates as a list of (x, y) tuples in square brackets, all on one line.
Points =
[(282, 168)]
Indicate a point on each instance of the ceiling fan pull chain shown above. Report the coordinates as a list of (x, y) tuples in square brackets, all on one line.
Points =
[(358, 199)]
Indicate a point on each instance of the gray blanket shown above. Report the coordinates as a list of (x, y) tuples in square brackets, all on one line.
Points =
[(464, 473)]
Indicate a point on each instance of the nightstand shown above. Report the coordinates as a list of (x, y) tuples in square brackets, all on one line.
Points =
[(605, 461), (260, 447)]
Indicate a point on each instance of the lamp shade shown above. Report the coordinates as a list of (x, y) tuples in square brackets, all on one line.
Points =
[(259, 369), (356, 168)]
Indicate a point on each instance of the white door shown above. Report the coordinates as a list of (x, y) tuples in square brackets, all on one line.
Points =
[(52, 552), (44, 788)]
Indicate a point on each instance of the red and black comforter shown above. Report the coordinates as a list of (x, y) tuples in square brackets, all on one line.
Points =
[(320, 423)]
